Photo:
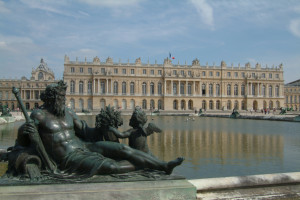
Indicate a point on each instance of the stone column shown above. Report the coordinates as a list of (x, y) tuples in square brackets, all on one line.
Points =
[(194, 85), (172, 91), (106, 86), (165, 87), (258, 90), (99, 89), (179, 92), (94, 85)]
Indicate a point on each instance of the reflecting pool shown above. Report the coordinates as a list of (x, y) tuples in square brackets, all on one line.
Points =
[(214, 147)]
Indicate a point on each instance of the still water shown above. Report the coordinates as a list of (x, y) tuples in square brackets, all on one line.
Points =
[(214, 147)]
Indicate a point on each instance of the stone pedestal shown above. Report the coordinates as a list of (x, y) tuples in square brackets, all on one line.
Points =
[(162, 189)]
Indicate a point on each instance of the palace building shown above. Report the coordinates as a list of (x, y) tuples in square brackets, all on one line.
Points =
[(30, 89), (169, 86), (292, 95)]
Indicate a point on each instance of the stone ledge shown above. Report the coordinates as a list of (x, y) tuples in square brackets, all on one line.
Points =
[(169, 189), (266, 186)]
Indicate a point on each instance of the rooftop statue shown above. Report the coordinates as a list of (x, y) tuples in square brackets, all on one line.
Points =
[(58, 143)]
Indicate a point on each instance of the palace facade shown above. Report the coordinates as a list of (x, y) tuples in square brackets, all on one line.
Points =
[(30, 89), (94, 85), (292, 95)]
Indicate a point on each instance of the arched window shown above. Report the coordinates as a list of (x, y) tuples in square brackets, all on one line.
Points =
[(80, 87), (116, 104), (181, 88), (190, 104), (189, 89), (90, 87), (102, 87), (159, 88), (152, 104), (144, 104), (72, 104), (277, 92), (182, 104), (218, 105), (40, 76), (132, 88), (243, 105), (228, 90), (124, 104), (102, 103), (263, 90), (243, 90), (203, 89), (72, 87), (174, 88), (124, 88), (236, 104), (81, 104), (160, 106), (270, 91), (175, 105), (144, 88), (151, 88), (203, 104), (236, 90), (132, 104), (90, 104), (211, 105), (210, 89), (116, 87), (228, 105), (218, 93)]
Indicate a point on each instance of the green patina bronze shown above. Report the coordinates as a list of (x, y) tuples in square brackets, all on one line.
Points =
[(55, 143), (5, 111)]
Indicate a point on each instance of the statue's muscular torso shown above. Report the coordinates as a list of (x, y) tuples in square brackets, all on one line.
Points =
[(58, 133)]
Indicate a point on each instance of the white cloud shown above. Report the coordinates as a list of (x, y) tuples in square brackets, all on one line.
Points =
[(3, 9), (205, 11), (294, 27)]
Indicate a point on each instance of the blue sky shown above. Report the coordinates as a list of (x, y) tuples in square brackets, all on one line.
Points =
[(236, 31)]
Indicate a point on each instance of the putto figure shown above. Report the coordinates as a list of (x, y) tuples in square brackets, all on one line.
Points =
[(66, 144), (137, 134)]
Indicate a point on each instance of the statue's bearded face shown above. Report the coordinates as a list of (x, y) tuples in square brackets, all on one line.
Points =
[(59, 105)]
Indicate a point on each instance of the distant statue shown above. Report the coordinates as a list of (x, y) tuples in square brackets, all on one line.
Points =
[(235, 114), (282, 111), (138, 134), (5, 111), (55, 140)]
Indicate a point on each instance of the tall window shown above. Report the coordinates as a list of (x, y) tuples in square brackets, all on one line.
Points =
[(181, 88), (124, 88), (159, 104), (277, 91), (90, 87), (218, 105), (203, 89), (228, 90), (210, 89), (132, 88), (174, 88), (270, 91), (253, 89), (72, 69), (263, 90), (72, 87), (189, 89), (0, 94), (218, 93), (228, 105), (211, 104), (80, 87), (90, 104), (152, 104), (159, 88), (203, 104), (41, 76), (115, 87), (144, 104), (144, 88), (102, 87), (175, 105), (151, 88), (236, 90)]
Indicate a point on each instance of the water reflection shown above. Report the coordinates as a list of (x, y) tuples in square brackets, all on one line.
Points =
[(214, 147)]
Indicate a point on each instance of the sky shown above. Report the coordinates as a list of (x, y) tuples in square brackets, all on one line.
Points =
[(235, 31)]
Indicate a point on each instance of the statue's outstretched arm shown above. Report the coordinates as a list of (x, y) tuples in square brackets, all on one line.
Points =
[(119, 134)]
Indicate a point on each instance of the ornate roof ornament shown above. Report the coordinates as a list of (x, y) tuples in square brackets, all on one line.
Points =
[(96, 60), (195, 62)]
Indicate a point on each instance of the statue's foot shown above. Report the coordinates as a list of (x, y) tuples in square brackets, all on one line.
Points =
[(173, 163)]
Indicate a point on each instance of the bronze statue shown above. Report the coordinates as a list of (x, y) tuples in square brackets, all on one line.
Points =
[(5, 111), (137, 134), (66, 145)]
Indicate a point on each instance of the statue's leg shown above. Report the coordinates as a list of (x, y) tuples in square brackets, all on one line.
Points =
[(138, 158), (114, 167)]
